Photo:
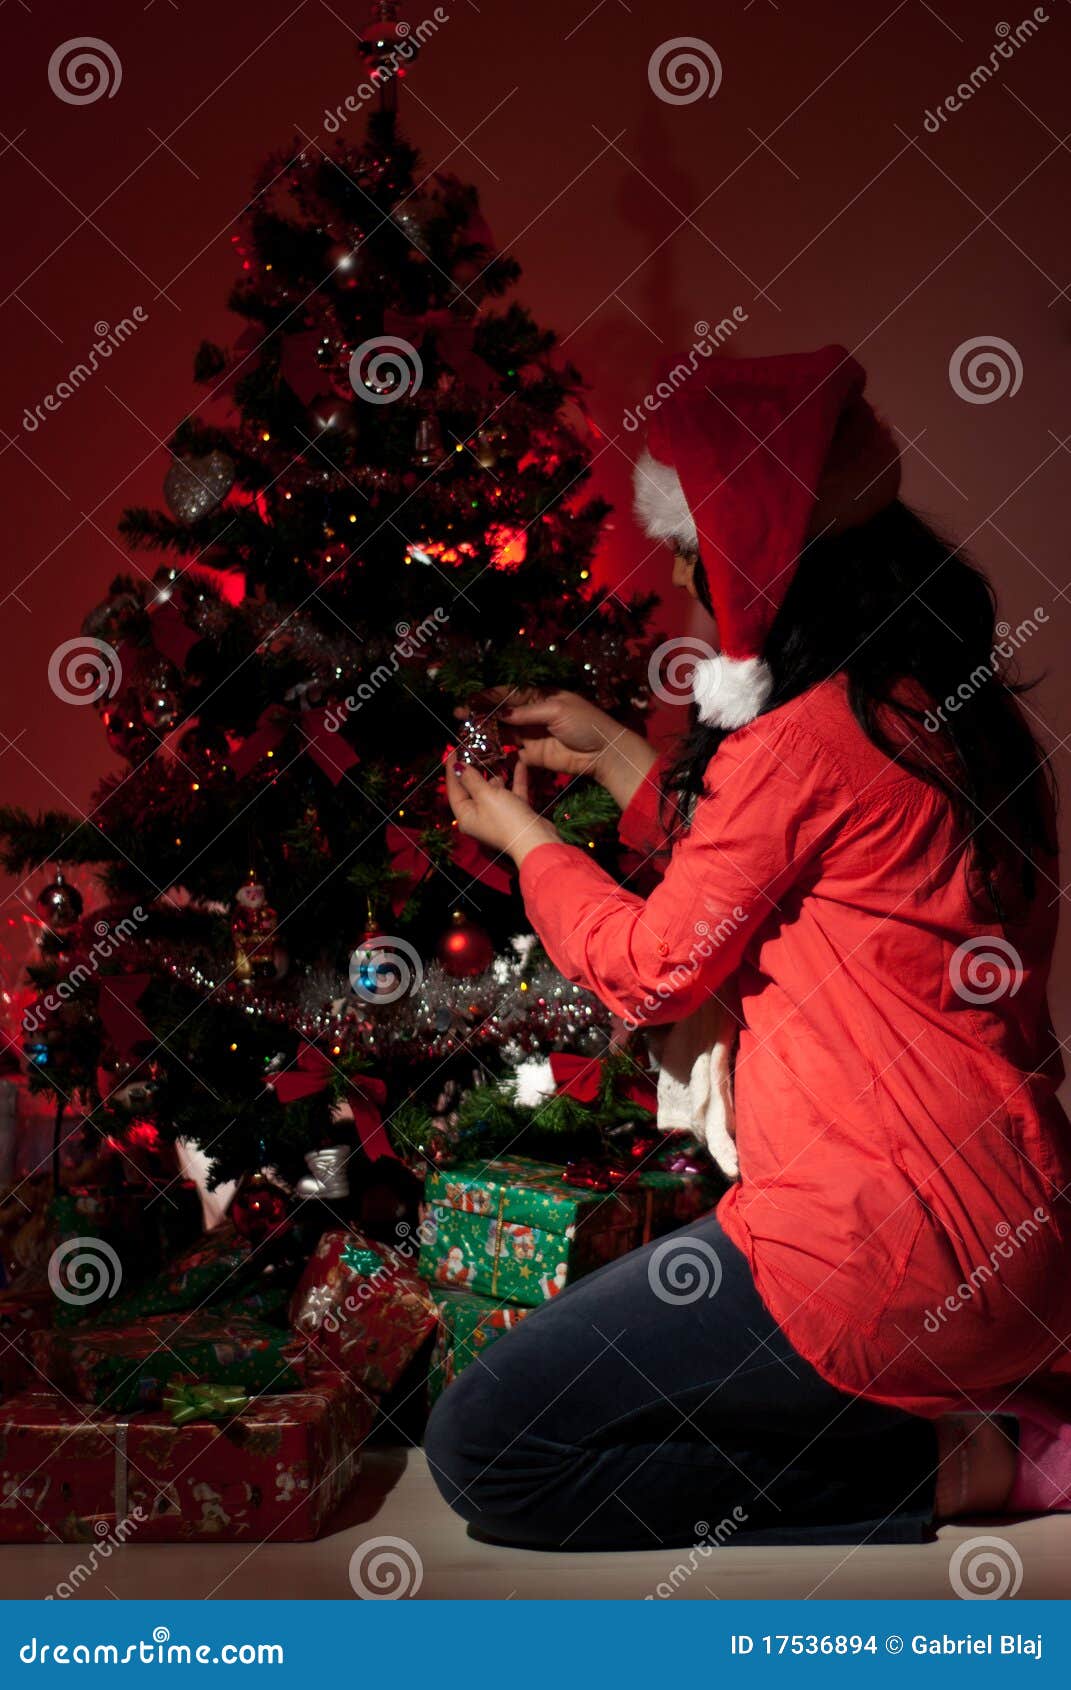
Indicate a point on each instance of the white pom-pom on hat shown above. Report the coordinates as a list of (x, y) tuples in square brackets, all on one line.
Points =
[(661, 508)]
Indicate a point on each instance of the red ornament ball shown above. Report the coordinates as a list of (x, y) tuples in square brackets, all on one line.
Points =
[(258, 1207), (465, 948)]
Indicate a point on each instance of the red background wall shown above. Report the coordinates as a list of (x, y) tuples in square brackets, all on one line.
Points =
[(807, 191)]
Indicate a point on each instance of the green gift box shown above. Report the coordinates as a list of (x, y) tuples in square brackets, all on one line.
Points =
[(468, 1325), (131, 1368), (514, 1230)]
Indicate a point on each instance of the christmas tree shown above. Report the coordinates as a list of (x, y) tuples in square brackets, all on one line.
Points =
[(375, 517)]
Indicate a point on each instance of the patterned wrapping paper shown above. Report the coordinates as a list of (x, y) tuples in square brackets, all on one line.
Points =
[(22, 1313), (468, 1325), (276, 1471), (513, 1228), (363, 1309), (219, 1265), (130, 1369)]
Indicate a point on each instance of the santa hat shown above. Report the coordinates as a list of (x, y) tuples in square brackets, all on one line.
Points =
[(747, 460)]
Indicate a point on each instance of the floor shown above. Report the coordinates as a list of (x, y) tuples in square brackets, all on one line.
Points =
[(397, 1500)]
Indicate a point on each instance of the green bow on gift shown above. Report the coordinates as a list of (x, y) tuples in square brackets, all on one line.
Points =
[(203, 1402), (363, 1262)]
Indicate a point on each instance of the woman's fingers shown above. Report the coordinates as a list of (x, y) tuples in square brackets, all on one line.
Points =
[(520, 780)]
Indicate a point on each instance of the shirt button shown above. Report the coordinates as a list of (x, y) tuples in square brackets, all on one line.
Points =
[(663, 948)]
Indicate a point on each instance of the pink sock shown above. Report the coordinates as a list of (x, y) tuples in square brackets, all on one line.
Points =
[(1042, 1482)]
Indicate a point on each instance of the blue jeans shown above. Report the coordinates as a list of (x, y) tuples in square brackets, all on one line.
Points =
[(656, 1402)]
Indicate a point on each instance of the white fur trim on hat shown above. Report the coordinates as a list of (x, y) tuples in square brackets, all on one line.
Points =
[(730, 691), (661, 508)]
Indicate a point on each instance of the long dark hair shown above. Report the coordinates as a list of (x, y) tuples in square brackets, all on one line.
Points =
[(892, 602)]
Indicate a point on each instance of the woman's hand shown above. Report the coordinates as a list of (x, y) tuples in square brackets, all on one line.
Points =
[(497, 816), (568, 734)]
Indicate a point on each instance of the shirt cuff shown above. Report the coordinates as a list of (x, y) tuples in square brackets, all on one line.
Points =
[(641, 828)]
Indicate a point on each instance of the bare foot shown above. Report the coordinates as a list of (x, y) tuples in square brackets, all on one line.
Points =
[(976, 1466)]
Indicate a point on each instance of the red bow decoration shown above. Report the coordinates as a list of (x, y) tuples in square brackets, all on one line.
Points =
[(118, 996), (327, 748), (580, 1077), (311, 1073), (409, 859), (365, 1095), (454, 337), (170, 635)]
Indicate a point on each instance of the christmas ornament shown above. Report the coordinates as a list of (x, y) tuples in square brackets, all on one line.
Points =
[(125, 731), (332, 415), (428, 448), (111, 619), (195, 487), (60, 905), (326, 1178), (481, 746), (160, 696), (258, 1207), (383, 43), (258, 954), (373, 974), (343, 264), (465, 949), (203, 750)]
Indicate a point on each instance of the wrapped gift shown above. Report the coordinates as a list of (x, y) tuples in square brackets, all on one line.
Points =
[(275, 1471), (514, 1230), (468, 1325), (363, 1309), (219, 1266), (130, 1368), (21, 1314)]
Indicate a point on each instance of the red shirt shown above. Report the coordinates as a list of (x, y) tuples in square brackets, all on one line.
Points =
[(902, 1149)]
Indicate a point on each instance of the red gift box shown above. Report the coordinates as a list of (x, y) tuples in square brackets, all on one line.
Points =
[(21, 1313), (276, 1471), (362, 1307)]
